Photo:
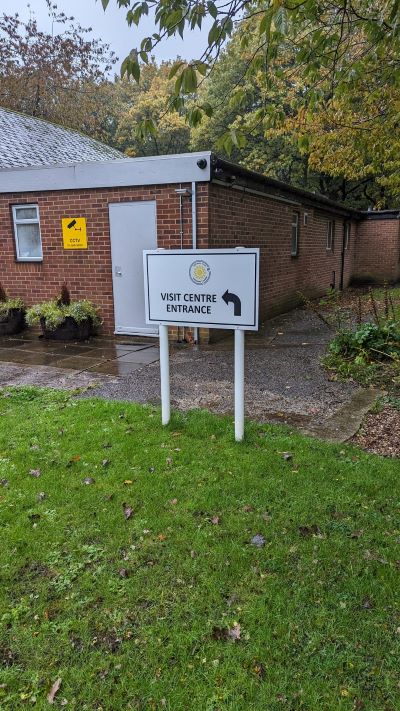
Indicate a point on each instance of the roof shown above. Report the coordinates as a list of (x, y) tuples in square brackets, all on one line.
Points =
[(237, 175), (26, 141), (201, 167)]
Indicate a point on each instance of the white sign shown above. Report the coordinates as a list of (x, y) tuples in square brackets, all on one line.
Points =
[(215, 288)]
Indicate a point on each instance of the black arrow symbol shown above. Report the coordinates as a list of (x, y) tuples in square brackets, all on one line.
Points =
[(230, 298)]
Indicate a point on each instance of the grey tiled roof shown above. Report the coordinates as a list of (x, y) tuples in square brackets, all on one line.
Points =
[(27, 141)]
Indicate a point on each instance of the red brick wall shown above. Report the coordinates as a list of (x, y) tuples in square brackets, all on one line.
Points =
[(226, 217), (245, 219), (87, 272), (378, 251)]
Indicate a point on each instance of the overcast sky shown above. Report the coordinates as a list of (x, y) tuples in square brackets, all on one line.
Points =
[(110, 26)]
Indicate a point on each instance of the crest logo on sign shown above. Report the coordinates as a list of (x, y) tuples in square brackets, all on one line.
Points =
[(199, 272)]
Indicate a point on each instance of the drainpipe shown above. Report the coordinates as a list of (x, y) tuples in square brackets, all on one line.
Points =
[(194, 241), (181, 192)]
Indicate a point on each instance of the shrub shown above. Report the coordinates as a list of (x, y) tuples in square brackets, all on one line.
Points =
[(369, 342), (7, 305), (54, 313)]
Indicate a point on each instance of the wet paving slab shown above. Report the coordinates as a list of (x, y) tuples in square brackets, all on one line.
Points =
[(100, 354)]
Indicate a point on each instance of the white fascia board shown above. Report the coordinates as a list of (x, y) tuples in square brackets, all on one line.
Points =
[(154, 170)]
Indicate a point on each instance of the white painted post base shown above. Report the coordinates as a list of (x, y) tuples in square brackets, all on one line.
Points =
[(239, 385), (164, 374)]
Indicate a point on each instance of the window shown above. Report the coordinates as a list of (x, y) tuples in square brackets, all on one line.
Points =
[(294, 250), (347, 230), (28, 242), (305, 219), (330, 234)]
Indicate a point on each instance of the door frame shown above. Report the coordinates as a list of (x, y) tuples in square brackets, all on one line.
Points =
[(150, 331)]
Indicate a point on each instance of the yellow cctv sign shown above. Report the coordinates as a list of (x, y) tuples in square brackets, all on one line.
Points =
[(74, 232)]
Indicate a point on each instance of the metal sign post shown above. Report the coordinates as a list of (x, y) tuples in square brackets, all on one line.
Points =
[(211, 288), (164, 374), (239, 385)]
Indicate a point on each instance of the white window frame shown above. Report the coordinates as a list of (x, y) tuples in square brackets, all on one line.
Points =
[(295, 225), (31, 221), (330, 235), (347, 234)]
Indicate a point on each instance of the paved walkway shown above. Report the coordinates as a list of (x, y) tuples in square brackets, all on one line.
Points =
[(284, 380)]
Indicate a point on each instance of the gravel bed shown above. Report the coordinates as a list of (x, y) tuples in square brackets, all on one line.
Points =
[(284, 379), (380, 433)]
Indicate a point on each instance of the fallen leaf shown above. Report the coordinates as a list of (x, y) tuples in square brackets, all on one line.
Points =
[(248, 508), (356, 534), (308, 531), (106, 462), (75, 458), (222, 634), (287, 456), (151, 470), (34, 517), (128, 511), (88, 480), (367, 604), (41, 496), (173, 502), (259, 670), (4, 482), (258, 540), (215, 520), (161, 537), (35, 473), (53, 691), (219, 633), (123, 573), (368, 555), (234, 632), (169, 461), (127, 482)]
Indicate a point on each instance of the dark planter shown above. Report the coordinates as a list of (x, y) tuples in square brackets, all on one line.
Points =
[(69, 330), (13, 323)]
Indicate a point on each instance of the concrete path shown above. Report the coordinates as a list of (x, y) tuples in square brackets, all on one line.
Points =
[(284, 380)]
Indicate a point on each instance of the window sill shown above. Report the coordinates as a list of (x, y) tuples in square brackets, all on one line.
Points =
[(29, 260)]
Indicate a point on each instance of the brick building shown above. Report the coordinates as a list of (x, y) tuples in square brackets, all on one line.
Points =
[(308, 243)]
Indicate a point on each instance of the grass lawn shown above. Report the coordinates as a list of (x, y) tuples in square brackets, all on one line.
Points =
[(143, 589)]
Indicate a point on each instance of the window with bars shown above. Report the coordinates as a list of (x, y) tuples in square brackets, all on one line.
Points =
[(28, 242)]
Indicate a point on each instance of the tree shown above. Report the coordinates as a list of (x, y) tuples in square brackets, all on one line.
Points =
[(293, 149), (336, 50), (59, 77), (145, 105)]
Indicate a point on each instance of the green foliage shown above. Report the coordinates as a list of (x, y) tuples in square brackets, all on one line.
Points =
[(144, 125), (54, 313), (368, 342), (133, 615), (326, 77), (9, 305)]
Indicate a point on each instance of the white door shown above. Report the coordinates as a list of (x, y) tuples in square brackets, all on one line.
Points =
[(132, 229)]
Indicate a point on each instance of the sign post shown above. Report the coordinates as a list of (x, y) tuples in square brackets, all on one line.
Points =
[(215, 288), (164, 373)]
